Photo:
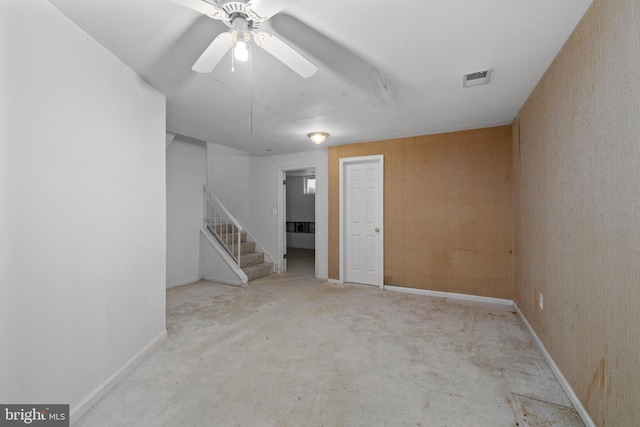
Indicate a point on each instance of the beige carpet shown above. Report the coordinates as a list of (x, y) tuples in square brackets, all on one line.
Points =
[(301, 262), (289, 351)]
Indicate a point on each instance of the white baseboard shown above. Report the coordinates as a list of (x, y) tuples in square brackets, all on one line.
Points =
[(334, 281), (582, 412), (183, 282), (224, 282), (586, 419), (94, 397), (450, 295), (322, 277)]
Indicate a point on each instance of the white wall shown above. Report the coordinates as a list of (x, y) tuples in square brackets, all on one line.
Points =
[(248, 186), (186, 174), (82, 210), (228, 177), (301, 207), (264, 199)]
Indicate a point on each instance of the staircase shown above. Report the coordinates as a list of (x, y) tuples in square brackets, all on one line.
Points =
[(245, 253), (252, 262)]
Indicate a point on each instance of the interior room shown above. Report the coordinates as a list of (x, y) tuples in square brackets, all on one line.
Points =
[(470, 255), (300, 221)]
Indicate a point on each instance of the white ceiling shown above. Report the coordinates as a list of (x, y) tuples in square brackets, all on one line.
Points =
[(421, 48)]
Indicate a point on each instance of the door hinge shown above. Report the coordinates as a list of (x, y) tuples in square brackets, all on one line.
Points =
[(284, 256), (284, 182)]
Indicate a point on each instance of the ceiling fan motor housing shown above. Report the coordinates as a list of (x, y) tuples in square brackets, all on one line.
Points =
[(241, 29), (234, 7), (237, 10)]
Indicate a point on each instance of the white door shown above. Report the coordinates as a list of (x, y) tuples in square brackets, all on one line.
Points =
[(363, 236)]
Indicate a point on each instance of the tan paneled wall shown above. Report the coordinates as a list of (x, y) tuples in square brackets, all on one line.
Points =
[(448, 210), (577, 209)]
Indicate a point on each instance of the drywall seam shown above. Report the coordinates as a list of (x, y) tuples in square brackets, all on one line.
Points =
[(95, 396), (450, 295), (556, 371)]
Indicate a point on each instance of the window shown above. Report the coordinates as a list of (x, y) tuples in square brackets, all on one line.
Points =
[(310, 185)]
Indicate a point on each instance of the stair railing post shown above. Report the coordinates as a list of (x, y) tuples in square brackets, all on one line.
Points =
[(216, 226), (205, 206), (226, 234), (239, 246)]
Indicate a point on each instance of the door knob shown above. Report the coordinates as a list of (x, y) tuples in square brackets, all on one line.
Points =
[(377, 230)]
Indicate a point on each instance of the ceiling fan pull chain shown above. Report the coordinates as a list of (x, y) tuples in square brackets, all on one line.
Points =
[(233, 70), (251, 87)]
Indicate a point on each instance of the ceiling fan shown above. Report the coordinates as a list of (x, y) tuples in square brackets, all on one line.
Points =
[(243, 17)]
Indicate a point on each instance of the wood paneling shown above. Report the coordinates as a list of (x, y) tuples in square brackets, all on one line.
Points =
[(448, 210), (577, 208)]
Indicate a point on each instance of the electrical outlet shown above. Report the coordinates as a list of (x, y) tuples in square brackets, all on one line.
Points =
[(540, 301)]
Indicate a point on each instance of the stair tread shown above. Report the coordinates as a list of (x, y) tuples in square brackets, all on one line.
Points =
[(252, 262), (231, 238), (251, 259), (245, 248), (258, 266), (258, 270)]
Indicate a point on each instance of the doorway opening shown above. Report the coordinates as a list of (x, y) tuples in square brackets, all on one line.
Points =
[(298, 222)]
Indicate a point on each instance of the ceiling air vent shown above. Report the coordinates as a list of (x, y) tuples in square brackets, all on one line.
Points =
[(477, 78)]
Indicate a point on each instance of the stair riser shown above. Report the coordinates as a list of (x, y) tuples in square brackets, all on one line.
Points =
[(224, 228), (259, 270), (229, 239), (251, 259), (245, 248)]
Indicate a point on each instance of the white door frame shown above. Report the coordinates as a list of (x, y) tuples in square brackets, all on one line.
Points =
[(282, 210), (342, 253)]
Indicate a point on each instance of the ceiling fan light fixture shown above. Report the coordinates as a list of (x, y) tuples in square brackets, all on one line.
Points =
[(318, 137), (244, 18), (240, 51), (241, 36)]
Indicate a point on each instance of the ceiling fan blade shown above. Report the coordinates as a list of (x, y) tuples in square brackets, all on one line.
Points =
[(267, 8), (203, 7), (285, 53), (214, 53)]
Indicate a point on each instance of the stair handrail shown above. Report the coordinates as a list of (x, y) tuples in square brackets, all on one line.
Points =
[(224, 210), (212, 201), (217, 216)]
